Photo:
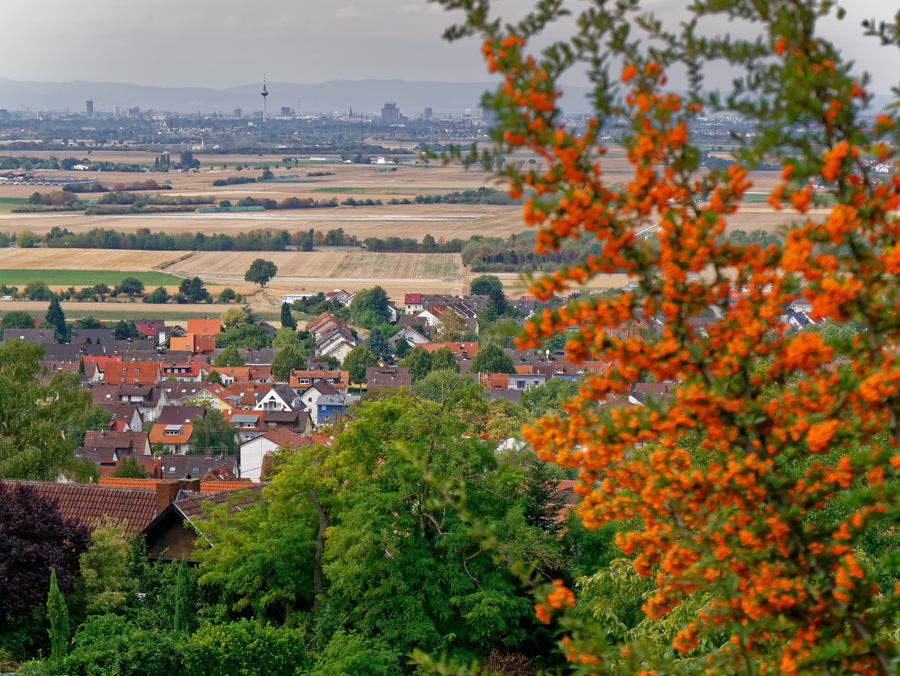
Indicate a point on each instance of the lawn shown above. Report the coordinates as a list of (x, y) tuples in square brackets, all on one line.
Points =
[(80, 278)]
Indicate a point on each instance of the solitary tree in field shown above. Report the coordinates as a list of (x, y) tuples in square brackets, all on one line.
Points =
[(755, 506), (260, 272)]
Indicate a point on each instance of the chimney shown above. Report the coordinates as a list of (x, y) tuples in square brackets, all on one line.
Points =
[(209, 454), (166, 492), (192, 485)]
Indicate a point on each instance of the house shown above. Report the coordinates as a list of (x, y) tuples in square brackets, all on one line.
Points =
[(412, 303), (91, 504), (149, 399), (244, 374), (171, 536), (204, 327), (178, 393), (132, 372), (522, 381), (95, 366), (195, 466), (435, 315), (151, 328), (176, 438), (300, 380), (93, 336), (182, 371), (466, 350), (38, 336), (332, 406), (340, 296), (125, 418), (281, 398), (113, 445), (388, 376), (217, 396), (309, 394), (248, 423), (254, 451), (181, 415), (193, 343), (248, 395), (337, 343), (294, 421), (410, 335)]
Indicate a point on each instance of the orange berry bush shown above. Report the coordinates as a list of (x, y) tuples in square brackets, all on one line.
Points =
[(795, 461)]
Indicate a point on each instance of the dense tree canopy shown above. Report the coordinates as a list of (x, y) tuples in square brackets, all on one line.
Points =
[(260, 272)]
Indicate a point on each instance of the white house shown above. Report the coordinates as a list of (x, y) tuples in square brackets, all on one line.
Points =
[(254, 451), (281, 398)]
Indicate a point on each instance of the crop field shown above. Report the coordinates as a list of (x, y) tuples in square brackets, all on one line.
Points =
[(78, 278), (294, 266), (85, 259)]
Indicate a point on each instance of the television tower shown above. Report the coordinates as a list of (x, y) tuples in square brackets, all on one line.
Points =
[(264, 95)]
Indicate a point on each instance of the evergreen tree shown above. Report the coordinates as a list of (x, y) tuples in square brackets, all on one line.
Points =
[(498, 301), (538, 506), (59, 619), (287, 319), (379, 346), (182, 597), (56, 317)]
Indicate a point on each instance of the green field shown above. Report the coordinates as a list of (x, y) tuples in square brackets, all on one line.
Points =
[(80, 278)]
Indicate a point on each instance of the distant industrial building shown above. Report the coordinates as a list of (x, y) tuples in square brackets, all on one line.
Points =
[(90, 109), (286, 112), (428, 113), (390, 112), (237, 112)]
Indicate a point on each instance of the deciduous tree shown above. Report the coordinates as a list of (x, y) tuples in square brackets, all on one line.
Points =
[(260, 272)]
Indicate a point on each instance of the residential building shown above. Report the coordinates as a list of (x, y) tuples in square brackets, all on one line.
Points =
[(176, 438), (132, 373), (281, 398), (247, 423), (254, 451), (388, 376), (300, 380), (204, 327)]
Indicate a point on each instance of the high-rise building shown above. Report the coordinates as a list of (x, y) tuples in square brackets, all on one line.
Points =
[(286, 111), (390, 112), (428, 113), (90, 109), (237, 112)]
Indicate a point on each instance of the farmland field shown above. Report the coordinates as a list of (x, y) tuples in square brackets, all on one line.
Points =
[(66, 278), (85, 259), (340, 265)]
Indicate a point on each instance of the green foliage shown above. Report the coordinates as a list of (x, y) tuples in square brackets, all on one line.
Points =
[(252, 335), (38, 290), (349, 654), (226, 296), (229, 357), (17, 319), (31, 416), (58, 613), (260, 272), (401, 348), (234, 318), (549, 397), (369, 307), (378, 346), (214, 433), (290, 358), (158, 295), (26, 239), (105, 581), (130, 286), (56, 317), (443, 360), (444, 385), (356, 362), (491, 359), (483, 285), (129, 468), (418, 361), (193, 290), (182, 597), (213, 377), (287, 319), (284, 337)]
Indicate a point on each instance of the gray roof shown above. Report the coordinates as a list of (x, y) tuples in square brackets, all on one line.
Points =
[(39, 336), (241, 418), (253, 356)]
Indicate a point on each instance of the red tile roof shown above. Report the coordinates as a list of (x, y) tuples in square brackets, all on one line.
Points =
[(150, 484), (89, 503)]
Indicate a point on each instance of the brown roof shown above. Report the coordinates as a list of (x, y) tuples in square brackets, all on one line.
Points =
[(216, 486), (284, 437), (194, 506), (89, 503)]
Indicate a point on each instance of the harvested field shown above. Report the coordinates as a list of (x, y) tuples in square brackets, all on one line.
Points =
[(136, 310), (85, 259), (78, 278), (296, 266)]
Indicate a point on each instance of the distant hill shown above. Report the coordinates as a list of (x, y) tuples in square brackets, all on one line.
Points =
[(363, 96)]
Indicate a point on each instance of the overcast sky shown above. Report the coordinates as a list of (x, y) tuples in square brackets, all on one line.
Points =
[(225, 43)]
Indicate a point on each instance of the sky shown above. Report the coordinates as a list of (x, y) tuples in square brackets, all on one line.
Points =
[(226, 43)]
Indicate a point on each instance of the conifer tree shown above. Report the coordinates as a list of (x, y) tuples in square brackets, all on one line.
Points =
[(59, 619)]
